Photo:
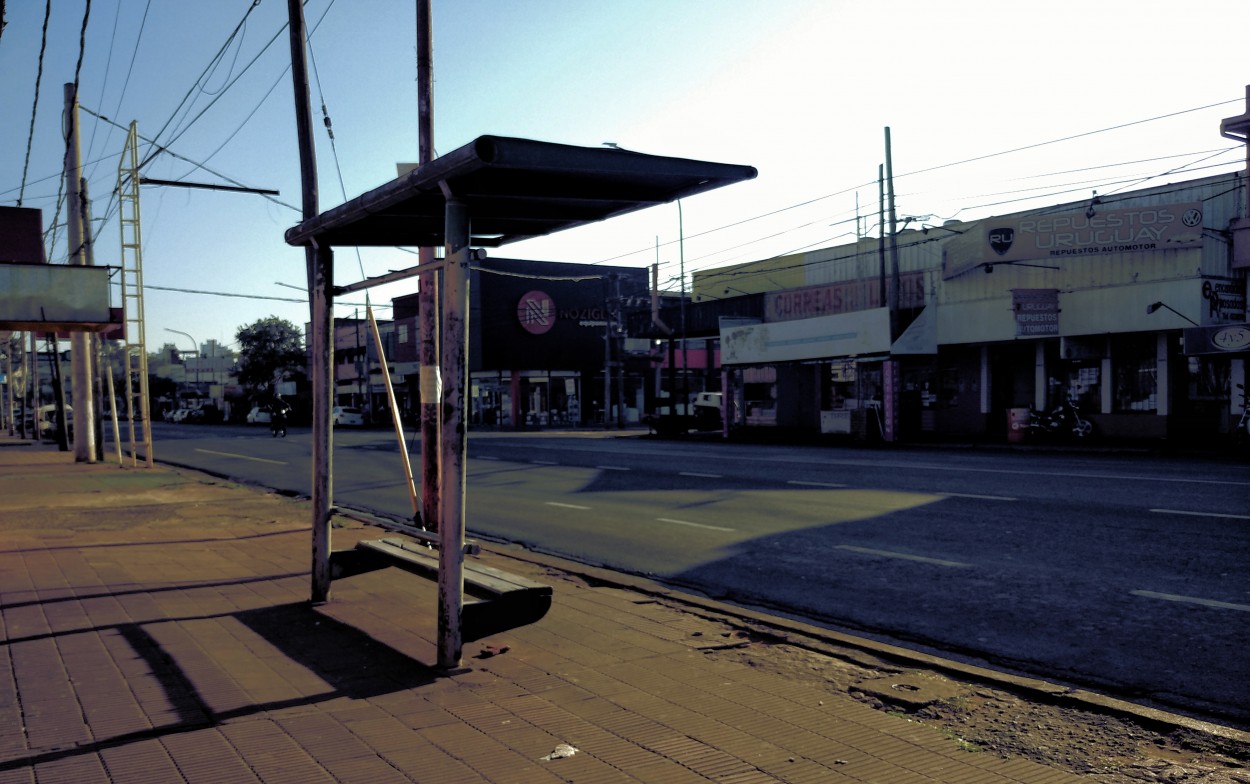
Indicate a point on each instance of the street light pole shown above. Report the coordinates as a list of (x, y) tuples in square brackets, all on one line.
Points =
[(195, 350)]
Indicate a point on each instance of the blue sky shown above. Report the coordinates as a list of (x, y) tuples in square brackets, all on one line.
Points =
[(800, 89)]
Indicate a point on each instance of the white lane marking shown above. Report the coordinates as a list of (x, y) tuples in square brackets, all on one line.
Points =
[(544, 462), (692, 525), (904, 556), (241, 457), (701, 476), (612, 468), (1171, 597), (814, 484), (568, 506), (1201, 514), (983, 497)]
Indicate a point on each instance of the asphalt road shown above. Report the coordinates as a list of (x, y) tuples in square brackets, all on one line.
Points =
[(1123, 572)]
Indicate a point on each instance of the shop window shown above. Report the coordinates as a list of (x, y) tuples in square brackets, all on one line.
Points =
[(1083, 385), (1207, 378), (840, 390), (952, 388), (761, 403), (1135, 365)]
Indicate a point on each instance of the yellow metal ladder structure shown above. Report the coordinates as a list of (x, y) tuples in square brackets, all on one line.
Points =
[(136, 352)]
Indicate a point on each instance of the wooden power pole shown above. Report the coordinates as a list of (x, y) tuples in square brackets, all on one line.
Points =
[(320, 266), (80, 342)]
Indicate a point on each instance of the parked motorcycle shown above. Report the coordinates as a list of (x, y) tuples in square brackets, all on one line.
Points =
[(1063, 420)]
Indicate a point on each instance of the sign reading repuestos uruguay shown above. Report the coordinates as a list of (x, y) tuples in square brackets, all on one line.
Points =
[(1079, 233)]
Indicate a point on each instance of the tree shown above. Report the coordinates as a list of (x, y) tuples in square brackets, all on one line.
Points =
[(270, 350)]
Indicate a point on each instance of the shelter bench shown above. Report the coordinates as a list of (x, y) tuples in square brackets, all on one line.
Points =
[(494, 600)]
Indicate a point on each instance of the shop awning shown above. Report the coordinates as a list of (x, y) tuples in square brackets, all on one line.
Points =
[(854, 334), (514, 189), (920, 337)]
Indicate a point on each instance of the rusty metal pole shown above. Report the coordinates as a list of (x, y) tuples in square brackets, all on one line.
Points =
[(455, 351), (431, 388), (320, 268)]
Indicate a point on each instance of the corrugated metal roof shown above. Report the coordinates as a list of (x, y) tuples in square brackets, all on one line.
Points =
[(514, 189)]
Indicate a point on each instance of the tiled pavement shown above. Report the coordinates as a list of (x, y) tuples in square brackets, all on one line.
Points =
[(154, 627)]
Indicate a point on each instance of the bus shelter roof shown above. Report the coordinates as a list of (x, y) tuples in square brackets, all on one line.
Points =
[(514, 189)]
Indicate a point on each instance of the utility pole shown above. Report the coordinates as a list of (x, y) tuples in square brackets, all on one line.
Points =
[(35, 384), (80, 342), (93, 341), (618, 338), (607, 353), (881, 224), (320, 267), (8, 383), (894, 274), (431, 389)]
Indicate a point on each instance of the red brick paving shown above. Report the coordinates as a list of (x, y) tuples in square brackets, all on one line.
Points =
[(165, 637)]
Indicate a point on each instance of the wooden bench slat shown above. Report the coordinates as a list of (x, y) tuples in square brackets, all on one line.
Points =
[(479, 577)]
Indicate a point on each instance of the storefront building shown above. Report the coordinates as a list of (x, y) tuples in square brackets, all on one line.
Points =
[(1131, 305), (547, 345)]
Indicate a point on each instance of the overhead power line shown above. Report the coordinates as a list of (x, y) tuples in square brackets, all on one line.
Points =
[(43, 46), (987, 156)]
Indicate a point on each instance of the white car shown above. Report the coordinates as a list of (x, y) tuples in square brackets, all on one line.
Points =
[(348, 416), (259, 416)]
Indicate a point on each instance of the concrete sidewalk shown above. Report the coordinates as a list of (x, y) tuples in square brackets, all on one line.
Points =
[(156, 628)]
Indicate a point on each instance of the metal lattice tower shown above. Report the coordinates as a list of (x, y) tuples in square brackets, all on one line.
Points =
[(136, 352)]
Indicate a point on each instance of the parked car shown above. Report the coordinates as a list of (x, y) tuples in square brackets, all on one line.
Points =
[(180, 415), (207, 414), (259, 416), (347, 416), (47, 421)]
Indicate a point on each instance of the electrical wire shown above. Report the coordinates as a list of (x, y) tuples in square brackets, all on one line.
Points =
[(108, 65), (30, 139), (740, 274), (1068, 138), (933, 168), (69, 135), (191, 91), (285, 70), (196, 164), (238, 295)]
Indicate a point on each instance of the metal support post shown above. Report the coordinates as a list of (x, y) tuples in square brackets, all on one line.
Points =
[(455, 349), (427, 292)]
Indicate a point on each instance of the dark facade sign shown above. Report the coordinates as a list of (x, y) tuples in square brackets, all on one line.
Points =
[(1037, 312), (1225, 298), (1224, 339), (543, 315)]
